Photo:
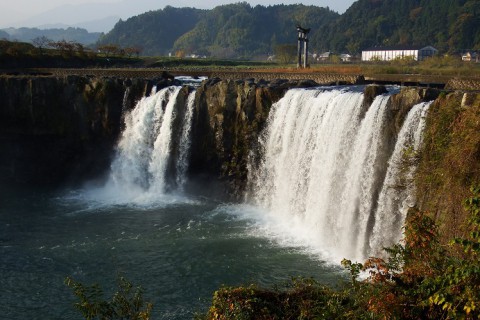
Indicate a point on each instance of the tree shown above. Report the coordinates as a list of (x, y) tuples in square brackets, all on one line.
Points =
[(65, 47), (127, 303), (130, 51), (353, 47), (109, 49), (286, 53), (180, 54), (41, 42)]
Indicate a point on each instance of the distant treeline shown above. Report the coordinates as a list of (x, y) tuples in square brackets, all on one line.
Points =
[(45, 52), (56, 34)]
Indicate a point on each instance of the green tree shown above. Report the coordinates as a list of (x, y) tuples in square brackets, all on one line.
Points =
[(126, 304), (285, 53)]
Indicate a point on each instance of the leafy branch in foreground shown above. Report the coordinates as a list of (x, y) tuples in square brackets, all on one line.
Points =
[(126, 304)]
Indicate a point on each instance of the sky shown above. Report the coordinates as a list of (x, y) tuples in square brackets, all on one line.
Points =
[(34, 13)]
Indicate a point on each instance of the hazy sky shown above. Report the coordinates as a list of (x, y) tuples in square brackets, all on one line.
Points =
[(17, 12)]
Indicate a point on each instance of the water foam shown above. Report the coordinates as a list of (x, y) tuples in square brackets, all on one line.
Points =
[(141, 167)]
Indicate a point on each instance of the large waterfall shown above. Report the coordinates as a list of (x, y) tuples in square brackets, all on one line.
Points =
[(328, 169)]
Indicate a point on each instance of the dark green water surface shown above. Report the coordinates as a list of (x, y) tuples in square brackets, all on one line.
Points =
[(180, 250)]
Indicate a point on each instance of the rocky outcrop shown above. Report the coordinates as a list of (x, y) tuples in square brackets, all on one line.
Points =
[(463, 84), (401, 103), (228, 117), (449, 163)]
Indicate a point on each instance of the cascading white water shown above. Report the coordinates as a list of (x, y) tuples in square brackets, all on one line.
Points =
[(397, 192), (184, 143), (125, 99), (140, 167), (323, 162)]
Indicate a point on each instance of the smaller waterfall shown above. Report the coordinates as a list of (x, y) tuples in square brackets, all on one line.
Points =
[(144, 156), (184, 143), (125, 99), (398, 189)]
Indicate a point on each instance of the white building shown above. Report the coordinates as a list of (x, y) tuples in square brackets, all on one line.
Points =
[(322, 56), (345, 57), (417, 53), (470, 56)]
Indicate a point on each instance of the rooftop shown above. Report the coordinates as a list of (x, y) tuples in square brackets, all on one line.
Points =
[(396, 47)]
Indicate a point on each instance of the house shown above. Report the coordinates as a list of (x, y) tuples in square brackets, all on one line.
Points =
[(345, 57), (470, 56), (322, 56), (417, 53)]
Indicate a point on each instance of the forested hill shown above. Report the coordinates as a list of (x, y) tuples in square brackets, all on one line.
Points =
[(448, 25), (242, 31), (155, 31), (236, 30)]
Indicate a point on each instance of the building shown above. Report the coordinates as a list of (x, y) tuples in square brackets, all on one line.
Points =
[(322, 56), (470, 56), (417, 53), (345, 57)]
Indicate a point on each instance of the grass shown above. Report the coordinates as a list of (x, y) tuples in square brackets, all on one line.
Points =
[(15, 55)]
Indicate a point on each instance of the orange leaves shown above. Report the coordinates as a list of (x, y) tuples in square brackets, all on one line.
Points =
[(383, 305), (378, 270)]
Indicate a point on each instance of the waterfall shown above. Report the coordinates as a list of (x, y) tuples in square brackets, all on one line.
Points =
[(184, 144), (142, 164), (397, 192), (323, 161), (125, 99)]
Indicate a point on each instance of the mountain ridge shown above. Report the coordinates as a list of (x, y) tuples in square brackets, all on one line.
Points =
[(243, 31)]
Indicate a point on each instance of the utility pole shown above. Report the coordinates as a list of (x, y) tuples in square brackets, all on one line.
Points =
[(302, 43)]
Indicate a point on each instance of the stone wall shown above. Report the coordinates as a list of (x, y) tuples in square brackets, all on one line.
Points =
[(320, 78)]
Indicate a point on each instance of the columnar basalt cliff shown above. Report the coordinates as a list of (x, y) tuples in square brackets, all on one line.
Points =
[(53, 130), (60, 129), (228, 118)]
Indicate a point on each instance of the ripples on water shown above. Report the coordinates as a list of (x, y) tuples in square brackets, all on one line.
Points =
[(177, 248)]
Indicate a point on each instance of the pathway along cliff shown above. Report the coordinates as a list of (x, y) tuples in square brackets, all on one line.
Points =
[(321, 174)]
